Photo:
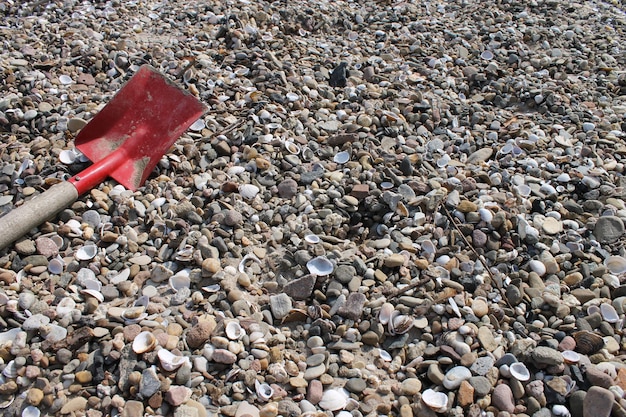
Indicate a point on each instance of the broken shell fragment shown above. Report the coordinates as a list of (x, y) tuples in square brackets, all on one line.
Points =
[(86, 252), (609, 313), (264, 391), (519, 371), (169, 361), (234, 331), (437, 401)]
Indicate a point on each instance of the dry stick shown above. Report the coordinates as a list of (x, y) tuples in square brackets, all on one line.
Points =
[(395, 292), (469, 245)]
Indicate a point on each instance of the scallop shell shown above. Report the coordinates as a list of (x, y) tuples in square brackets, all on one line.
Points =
[(587, 342), (341, 157), (144, 342), (334, 399), (384, 316), (609, 313), (519, 371), (86, 252), (234, 331), (264, 391), (169, 361), (320, 265), (31, 411), (437, 401), (616, 264)]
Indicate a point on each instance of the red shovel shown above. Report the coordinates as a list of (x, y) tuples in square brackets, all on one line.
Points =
[(125, 141)]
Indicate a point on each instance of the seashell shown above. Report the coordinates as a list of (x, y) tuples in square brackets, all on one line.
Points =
[(437, 401), (320, 265), (169, 361), (198, 125), (608, 313), (334, 399), (144, 342), (134, 314), (67, 156), (65, 79), (248, 191), (519, 371), (616, 264), (384, 355), (384, 316), (86, 252), (264, 391), (487, 55), (291, 96), (56, 265), (311, 238), (559, 410), (242, 263), (400, 324), (296, 315), (485, 215), (120, 277), (587, 342), (10, 370), (185, 254), (291, 147), (179, 281), (342, 157), (234, 331), (31, 411), (93, 293), (53, 332)]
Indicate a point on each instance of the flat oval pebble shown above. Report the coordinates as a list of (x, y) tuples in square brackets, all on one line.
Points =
[(455, 376)]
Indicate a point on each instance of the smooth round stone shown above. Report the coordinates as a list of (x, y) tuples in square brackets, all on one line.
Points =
[(480, 307), (315, 360), (149, 291), (456, 375), (412, 386), (356, 385), (35, 322), (552, 226), (141, 260), (314, 372), (608, 229)]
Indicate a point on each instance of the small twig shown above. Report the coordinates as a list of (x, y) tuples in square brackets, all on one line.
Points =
[(395, 292)]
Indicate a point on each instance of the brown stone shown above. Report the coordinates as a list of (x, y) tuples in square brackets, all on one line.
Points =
[(465, 396), (200, 333)]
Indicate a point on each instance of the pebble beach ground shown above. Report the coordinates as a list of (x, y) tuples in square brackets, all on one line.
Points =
[(389, 209)]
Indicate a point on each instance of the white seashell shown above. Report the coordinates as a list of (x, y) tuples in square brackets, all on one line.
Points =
[(400, 324), (311, 238), (65, 306), (248, 191), (65, 79), (616, 264), (570, 356), (94, 293), (559, 410), (56, 265), (74, 226), (523, 190), (234, 331), (384, 355), (236, 170), (179, 281), (121, 277), (334, 399), (144, 342), (53, 332), (291, 147), (67, 156), (31, 411), (519, 371), (10, 370), (242, 264), (454, 306), (264, 391), (384, 316), (292, 96), (608, 313), (437, 401), (538, 267), (487, 55), (198, 125), (342, 157), (320, 265), (86, 252), (91, 284), (169, 361)]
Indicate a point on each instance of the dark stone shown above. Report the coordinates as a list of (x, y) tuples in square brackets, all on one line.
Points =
[(338, 76), (301, 288)]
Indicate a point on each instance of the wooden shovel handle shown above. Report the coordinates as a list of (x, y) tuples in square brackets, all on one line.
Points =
[(46, 205)]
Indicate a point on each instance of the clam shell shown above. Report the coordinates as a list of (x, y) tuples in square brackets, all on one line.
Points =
[(320, 265), (134, 314), (615, 264), (169, 361), (56, 265), (234, 331), (400, 324), (94, 293), (144, 342), (384, 316), (291, 147), (569, 356), (86, 252), (31, 411), (435, 400), (65, 306), (248, 191), (384, 355), (341, 157), (179, 281), (264, 391), (311, 238), (519, 371), (67, 156), (608, 313), (587, 342), (334, 399)]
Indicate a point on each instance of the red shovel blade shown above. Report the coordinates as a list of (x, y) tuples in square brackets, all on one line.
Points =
[(136, 128)]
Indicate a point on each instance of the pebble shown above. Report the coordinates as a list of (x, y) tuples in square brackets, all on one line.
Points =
[(598, 402)]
